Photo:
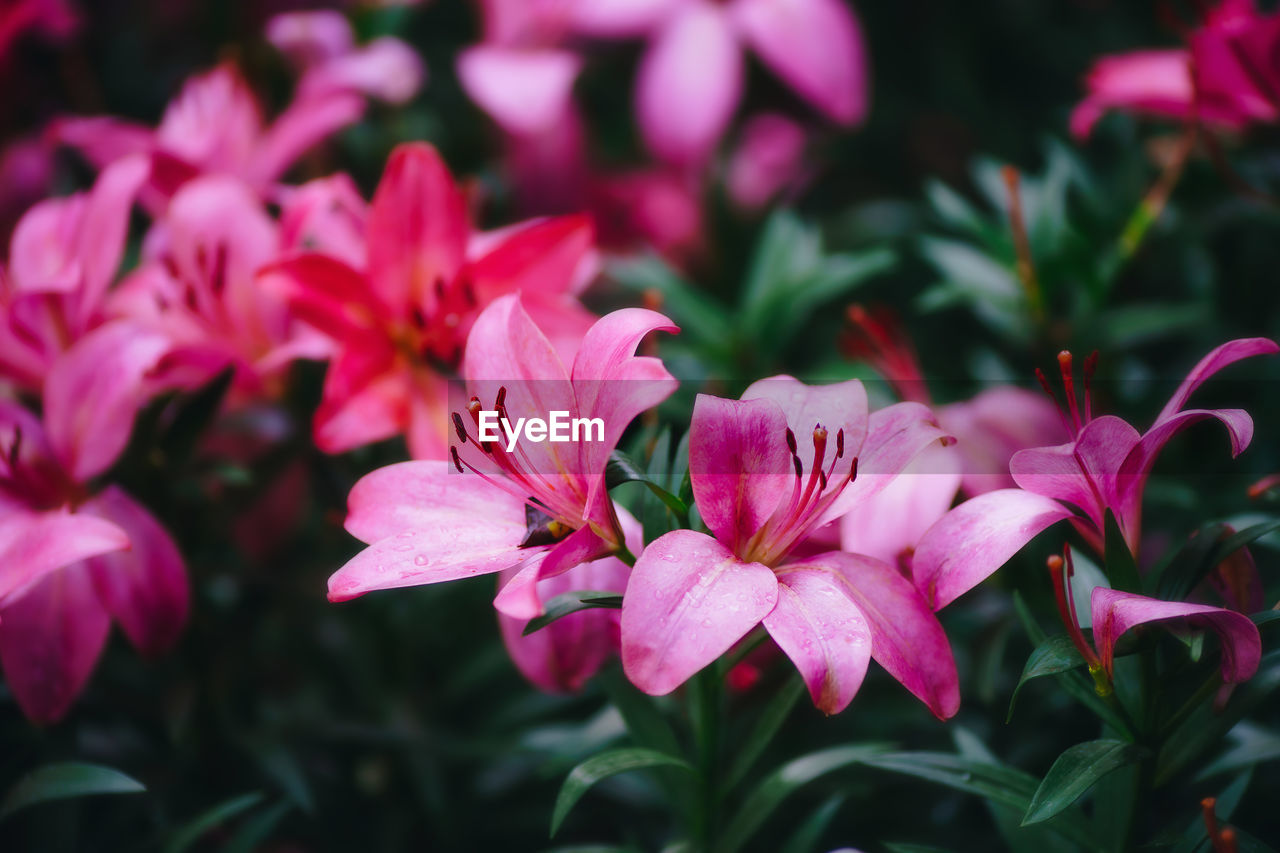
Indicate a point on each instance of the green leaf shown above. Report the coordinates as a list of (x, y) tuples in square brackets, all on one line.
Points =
[(602, 766), (782, 782), (990, 781), (1189, 566), (904, 847), (771, 719), (65, 780), (250, 837), (192, 832), (1075, 772), (1254, 745), (1122, 570), (697, 314), (1054, 655), (571, 602), (807, 835), (622, 469)]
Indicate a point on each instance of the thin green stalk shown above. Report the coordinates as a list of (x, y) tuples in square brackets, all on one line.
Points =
[(705, 695)]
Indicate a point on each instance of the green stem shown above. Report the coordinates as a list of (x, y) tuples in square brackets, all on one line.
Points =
[(1205, 690), (705, 694)]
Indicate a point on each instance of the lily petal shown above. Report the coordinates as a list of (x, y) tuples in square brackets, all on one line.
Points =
[(145, 587), (519, 598), (1228, 353), (1115, 613), (971, 542), (50, 641), (906, 638), (33, 544), (824, 633), (738, 463), (524, 90), (689, 84), (835, 407), (816, 46), (688, 601)]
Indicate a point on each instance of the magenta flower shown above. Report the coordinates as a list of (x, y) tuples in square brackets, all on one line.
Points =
[(408, 310), (768, 161), (62, 260), (198, 284), (1103, 468), (1227, 75), (539, 508), (691, 77), (72, 560), (767, 471), (54, 19)]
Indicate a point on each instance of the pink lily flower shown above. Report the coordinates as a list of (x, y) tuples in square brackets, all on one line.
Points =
[(215, 125), (691, 77), (692, 596), (74, 560), (51, 18), (538, 508), (1104, 467), (1228, 74), (408, 310), (198, 284), (769, 161), (561, 657), (63, 258)]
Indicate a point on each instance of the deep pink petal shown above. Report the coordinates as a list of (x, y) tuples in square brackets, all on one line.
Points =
[(1115, 612), (1228, 353), (33, 544), (769, 160), (417, 228), (101, 240), (328, 294), (1238, 581), (971, 542), (366, 399), (824, 633), (520, 597), (688, 601), (1153, 82), (739, 465), (50, 640), (525, 91), (325, 215), (546, 256), (816, 46), (689, 84), (144, 588), (103, 139), (93, 393), (906, 638)]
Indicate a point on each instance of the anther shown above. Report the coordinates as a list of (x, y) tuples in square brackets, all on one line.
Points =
[(840, 443), (791, 441), (459, 428), (457, 463)]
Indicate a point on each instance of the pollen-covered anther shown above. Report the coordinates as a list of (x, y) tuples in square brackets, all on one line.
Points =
[(459, 427)]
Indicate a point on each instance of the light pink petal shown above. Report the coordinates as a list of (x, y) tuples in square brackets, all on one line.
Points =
[(418, 494), (42, 251), (906, 638), (385, 68), (33, 544), (612, 383), (824, 633), (816, 46), (993, 426), (525, 91), (448, 547), (144, 588), (971, 542), (325, 215), (93, 393), (688, 601), (897, 435), (1115, 612), (304, 124), (619, 18), (1227, 354), (50, 640), (835, 407), (888, 525), (739, 465), (689, 84), (417, 228)]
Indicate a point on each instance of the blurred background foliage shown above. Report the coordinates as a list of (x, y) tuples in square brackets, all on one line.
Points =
[(396, 722)]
